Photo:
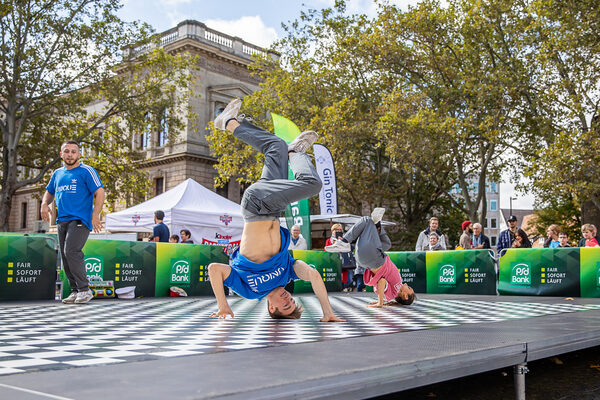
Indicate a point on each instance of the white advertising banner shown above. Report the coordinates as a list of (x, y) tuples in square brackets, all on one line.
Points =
[(326, 170)]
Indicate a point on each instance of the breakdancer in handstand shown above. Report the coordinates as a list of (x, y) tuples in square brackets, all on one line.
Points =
[(262, 265), (381, 273)]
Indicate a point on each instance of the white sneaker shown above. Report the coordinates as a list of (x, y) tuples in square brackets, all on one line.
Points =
[(338, 247), (70, 299), (377, 214), (84, 297), (303, 141), (231, 111)]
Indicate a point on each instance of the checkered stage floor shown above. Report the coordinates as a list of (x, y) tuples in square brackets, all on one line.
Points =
[(56, 336)]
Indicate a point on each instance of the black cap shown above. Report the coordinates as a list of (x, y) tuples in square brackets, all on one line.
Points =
[(512, 218)]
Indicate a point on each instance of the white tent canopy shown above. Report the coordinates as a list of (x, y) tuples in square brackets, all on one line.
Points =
[(212, 219)]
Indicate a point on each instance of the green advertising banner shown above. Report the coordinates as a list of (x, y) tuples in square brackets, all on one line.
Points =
[(460, 272), (590, 271), (27, 268), (186, 266), (411, 265), (545, 272), (297, 213), (328, 264), (124, 262)]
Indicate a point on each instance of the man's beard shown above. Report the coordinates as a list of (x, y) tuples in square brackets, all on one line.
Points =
[(71, 163)]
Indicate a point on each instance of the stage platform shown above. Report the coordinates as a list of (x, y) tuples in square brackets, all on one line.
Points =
[(169, 348)]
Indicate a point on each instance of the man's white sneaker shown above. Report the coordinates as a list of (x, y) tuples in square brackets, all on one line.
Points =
[(377, 214), (303, 141), (70, 299), (84, 297), (231, 111), (338, 247)]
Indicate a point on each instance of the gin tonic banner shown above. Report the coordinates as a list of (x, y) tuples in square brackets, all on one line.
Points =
[(590, 271), (411, 265), (546, 272), (27, 268), (326, 170), (186, 266), (297, 213), (329, 266), (460, 272), (124, 262)]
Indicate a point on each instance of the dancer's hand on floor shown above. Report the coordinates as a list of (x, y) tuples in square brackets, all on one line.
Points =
[(331, 318), (222, 313), (375, 304)]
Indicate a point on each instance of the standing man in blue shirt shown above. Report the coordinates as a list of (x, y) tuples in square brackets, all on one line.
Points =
[(160, 232), (262, 265), (79, 196)]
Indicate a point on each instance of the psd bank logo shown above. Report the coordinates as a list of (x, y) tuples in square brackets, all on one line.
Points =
[(447, 275), (94, 268), (520, 274), (180, 270)]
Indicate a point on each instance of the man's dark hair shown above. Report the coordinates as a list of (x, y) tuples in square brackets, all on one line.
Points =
[(411, 298), (70, 142), (296, 314), (159, 214), (175, 237), (187, 233), (563, 233)]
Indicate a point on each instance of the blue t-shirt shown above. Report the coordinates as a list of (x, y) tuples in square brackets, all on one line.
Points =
[(162, 231), (73, 191), (255, 281), (554, 244)]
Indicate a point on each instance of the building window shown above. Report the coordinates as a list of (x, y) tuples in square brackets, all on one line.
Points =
[(163, 135), (145, 137), (485, 223), (493, 240), (24, 215), (475, 187), (159, 186), (494, 187), (493, 223), (39, 210), (223, 190), (493, 205), (219, 109)]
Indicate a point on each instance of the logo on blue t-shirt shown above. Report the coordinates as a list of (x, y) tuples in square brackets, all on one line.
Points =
[(255, 280)]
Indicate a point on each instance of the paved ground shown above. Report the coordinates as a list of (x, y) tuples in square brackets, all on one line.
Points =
[(148, 340)]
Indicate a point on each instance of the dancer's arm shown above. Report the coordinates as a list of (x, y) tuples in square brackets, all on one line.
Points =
[(310, 274), (380, 292), (217, 274)]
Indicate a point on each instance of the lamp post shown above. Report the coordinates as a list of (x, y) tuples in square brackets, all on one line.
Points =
[(511, 199)]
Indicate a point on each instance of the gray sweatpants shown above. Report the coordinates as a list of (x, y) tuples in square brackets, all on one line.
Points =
[(370, 243), (268, 198), (72, 236)]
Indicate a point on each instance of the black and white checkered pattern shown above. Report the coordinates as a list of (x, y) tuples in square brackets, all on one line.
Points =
[(56, 336)]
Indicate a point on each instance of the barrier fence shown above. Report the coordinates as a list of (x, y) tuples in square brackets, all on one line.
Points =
[(28, 269)]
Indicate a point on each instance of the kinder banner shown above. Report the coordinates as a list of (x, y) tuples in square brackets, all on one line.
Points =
[(329, 266), (185, 266), (297, 213), (590, 271), (123, 262), (326, 170), (460, 272), (546, 272), (411, 265), (27, 268)]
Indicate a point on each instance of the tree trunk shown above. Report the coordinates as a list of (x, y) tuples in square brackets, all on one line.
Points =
[(9, 179), (590, 214)]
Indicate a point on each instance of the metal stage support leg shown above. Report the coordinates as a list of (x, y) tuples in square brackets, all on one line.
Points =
[(519, 371)]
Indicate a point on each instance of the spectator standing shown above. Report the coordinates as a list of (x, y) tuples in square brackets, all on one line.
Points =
[(348, 261), (359, 278), (507, 237), (297, 242), (423, 240), (594, 234), (79, 198), (160, 232), (478, 239), (521, 240), (465, 238), (563, 240), (588, 231), (434, 243), (174, 239), (186, 236), (552, 236)]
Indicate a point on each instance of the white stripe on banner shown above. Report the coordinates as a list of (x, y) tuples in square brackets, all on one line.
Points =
[(326, 170)]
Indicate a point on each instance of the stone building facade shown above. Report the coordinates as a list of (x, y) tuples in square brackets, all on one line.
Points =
[(223, 73)]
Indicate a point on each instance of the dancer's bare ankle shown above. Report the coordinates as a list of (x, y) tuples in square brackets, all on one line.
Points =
[(231, 125)]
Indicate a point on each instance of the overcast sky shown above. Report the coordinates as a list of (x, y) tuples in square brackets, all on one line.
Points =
[(259, 22)]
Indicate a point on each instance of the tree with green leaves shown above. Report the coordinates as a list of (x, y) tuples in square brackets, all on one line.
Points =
[(68, 71)]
